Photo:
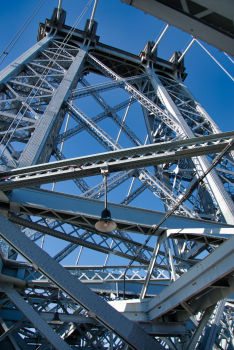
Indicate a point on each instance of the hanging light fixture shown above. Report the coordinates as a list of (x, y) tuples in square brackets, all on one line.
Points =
[(105, 224), (56, 319)]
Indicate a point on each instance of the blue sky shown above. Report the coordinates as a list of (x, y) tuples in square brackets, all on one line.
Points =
[(129, 29), (125, 27)]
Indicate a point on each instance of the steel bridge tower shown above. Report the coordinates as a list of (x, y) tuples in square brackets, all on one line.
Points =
[(177, 293)]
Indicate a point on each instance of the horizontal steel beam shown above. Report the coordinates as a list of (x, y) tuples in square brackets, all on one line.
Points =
[(103, 249), (200, 287), (126, 159), (155, 328), (85, 212), (206, 22), (200, 277), (207, 236), (131, 333), (5, 115), (47, 316), (85, 91), (96, 281), (79, 241), (164, 329)]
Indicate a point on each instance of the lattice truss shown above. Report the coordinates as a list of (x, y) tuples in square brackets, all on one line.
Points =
[(83, 332), (63, 100)]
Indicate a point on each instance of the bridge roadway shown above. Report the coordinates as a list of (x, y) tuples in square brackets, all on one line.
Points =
[(208, 20), (203, 285)]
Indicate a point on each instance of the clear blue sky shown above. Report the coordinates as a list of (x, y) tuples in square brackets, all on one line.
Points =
[(129, 29), (125, 27)]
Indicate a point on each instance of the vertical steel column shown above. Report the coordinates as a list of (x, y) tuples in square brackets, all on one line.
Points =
[(17, 65), (173, 271), (213, 182), (131, 333), (201, 109), (215, 325), (215, 128), (160, 240), (33, 152), (12, 70)]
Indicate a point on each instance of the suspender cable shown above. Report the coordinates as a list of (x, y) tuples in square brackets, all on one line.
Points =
[(228, 57), (43, 76), (20, 32), (215, 60), (160, 38), (92, 16), (59, 9), (186, 50)]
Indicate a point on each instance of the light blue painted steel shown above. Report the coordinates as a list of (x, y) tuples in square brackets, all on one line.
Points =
[(1, 262), (213, 183), (81, 92), (202, 324), (130, 158), (16, 66), (196, 22), (75, 205), (37, 143), (78, 128), (33, 316), (214, 267), (131, 333), (215, 327)]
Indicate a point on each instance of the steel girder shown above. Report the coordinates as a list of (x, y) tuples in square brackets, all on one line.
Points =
[(200, 286), (205, 19), (37, 92), (132, 334), (84, 211), (131, 158)]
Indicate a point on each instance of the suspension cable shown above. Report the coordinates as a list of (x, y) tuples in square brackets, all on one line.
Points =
[(228, 57), (43, 76), (14, 40), (187, 194), (161, 31), (215, 60)]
